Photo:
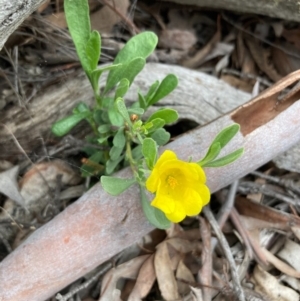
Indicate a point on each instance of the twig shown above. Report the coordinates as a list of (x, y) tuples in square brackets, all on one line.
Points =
[(84, 285), (228, 205), (250, 187), (224, 244), (287, 183)]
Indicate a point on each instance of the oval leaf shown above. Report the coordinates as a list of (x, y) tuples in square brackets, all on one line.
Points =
[(155, 216), (65, 125), (168, 115), (226, 134), (168, 84), (226, 159), (149, 150), (116, 186)]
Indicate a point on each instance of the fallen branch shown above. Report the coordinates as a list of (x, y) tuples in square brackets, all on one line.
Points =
[(94, 228)]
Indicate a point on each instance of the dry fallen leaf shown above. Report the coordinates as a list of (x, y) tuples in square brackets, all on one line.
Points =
[(144, 280), (290, 253), (266, 284), (183, 273), (164, 273), (9, 185), (129, 269)]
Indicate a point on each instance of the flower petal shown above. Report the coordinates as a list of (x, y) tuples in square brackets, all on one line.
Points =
[(178, 214), (164, 203), (204, 193), (153, 181), (192, 203)]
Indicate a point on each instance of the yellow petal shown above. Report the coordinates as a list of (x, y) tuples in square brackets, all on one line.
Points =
[(164, 203), (167, 155), (192, 203), (200, 172), (153, 181), (204, 193), (178, 214)]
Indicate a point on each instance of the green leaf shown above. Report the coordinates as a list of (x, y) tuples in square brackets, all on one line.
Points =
[(115, 153), (111, 165), (168, 84), (137, 152), (93, 167), (138, 47), (154, 124), (161, 136), (142, 101), (149, 150), (119, 139), (104, 128), (226, 159), (138, 111), (95, 74), (93, 48), (65, 125), (78, 20), (128, 70), (226, 134), (122, 88), (155, 216), (152, 90), (120, 104), (115, 117), (168, 115), (213, 151), (116, 186), (141, 45)]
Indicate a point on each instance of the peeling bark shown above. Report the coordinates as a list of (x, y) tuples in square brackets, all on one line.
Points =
[(13, 13)]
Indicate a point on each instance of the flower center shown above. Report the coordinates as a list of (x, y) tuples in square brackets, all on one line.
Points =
[(172, 182)]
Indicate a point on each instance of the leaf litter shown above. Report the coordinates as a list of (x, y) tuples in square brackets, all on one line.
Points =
[(242, 50)]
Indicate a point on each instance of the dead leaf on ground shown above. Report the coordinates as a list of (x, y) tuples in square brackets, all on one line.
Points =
[(164, 273), (266, 284), (129, 269), (145, 280), (9, 185)]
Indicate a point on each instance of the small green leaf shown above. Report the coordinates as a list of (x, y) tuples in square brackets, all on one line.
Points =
[(93, 167), (168, 115), (142, 101), (213, 151), (128, 70), (81, 107), (168, 84), (226, 134), (116, 186), (122, 88), (138, 111), (161, 136), (154, 124), (115, 117), (93, 48), (95, 74), (115, 152), (119, 139), (137, 152), (120, 104), (104, 128), (155, 216), (65, 125), (226, 159), (78, 20), (111, 165), (152, 90), (141, 45), (149, 150)]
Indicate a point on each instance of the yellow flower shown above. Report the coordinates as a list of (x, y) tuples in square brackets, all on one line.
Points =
[(179, 186)]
